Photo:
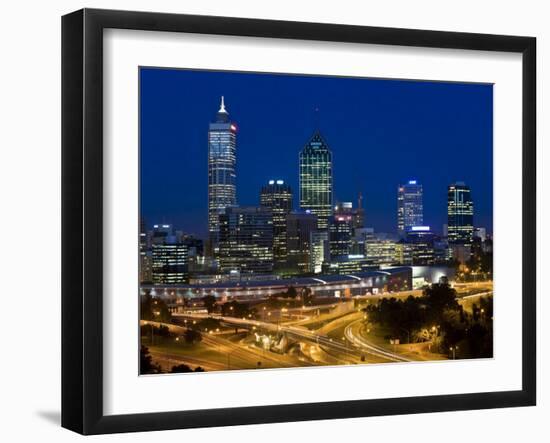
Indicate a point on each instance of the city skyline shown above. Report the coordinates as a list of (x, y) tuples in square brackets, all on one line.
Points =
[(162, 200), (266, 250)]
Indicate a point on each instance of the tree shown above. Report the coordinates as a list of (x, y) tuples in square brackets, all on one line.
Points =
[(209, 302), (403, 318), (291, 292), (191, 336), (236, 309), (154, 308), (181, 368), (438, 297), (158, 331), (146, 364), (208, 323)]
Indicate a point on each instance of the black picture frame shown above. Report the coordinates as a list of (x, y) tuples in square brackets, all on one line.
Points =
[(82, 215)]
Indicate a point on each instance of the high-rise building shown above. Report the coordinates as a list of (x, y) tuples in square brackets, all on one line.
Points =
[(160, 233), (316, 179), (299, 229), (169, 259), (145, 260), (340, 235), (319, 251), (222, 159), (277, 196), (356, 216), (460, 212), (410, 211), (195, 249), (383, 249), (246, 240), (359, 215), (422, 240)]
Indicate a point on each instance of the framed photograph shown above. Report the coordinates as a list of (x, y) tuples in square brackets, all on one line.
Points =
[(269, 221)]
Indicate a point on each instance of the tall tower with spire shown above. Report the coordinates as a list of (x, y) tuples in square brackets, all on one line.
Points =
[(222, 162), (316, 179)]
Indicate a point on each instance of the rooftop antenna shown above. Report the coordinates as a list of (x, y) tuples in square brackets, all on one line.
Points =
[(222, 107)]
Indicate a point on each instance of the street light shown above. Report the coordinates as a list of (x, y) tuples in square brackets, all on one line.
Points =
[(453, 349)]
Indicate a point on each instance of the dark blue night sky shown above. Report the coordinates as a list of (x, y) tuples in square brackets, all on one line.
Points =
[(381, 133)]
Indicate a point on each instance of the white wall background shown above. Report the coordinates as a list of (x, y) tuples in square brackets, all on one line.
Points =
[(30, 93)]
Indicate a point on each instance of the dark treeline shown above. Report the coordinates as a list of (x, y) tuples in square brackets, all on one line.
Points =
[(437, 316)]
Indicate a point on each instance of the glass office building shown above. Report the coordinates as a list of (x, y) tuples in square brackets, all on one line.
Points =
[(222, 159), (319, 251), (169, 262), (246, 240), (339, 235), (277, 196), (410, 210), (460, 212), (299, 228), (316, 179)]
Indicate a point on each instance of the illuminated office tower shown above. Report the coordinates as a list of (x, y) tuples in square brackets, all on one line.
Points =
[(422, 242), (340, 235), (319, 251), (169, 257), (299, 228), (222, 159), (410, 211), (359, 214), (460, 212), (277, 196), (246, 240), (145, 263), (316, 179)]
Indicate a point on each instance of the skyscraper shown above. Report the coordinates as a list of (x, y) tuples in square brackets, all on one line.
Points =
[(170, 261), (359, 219), (319, 251), (299, 229), (277, 196), (339, 235), (355, 216), (246, 240), (316, 179), (145, 263), (421, 239), (460, 212), (410, 211), (222, 159)]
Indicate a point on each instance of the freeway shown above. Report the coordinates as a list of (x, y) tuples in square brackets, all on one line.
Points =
[(353, 351), (368, 347), (235, 355)]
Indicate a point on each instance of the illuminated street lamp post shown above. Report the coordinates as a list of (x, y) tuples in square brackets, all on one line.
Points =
[(453, 349)]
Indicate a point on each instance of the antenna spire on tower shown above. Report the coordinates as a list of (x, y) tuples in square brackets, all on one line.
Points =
[(222, 106)]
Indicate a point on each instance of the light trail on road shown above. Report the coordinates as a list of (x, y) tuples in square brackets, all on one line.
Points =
[(369, 347)]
